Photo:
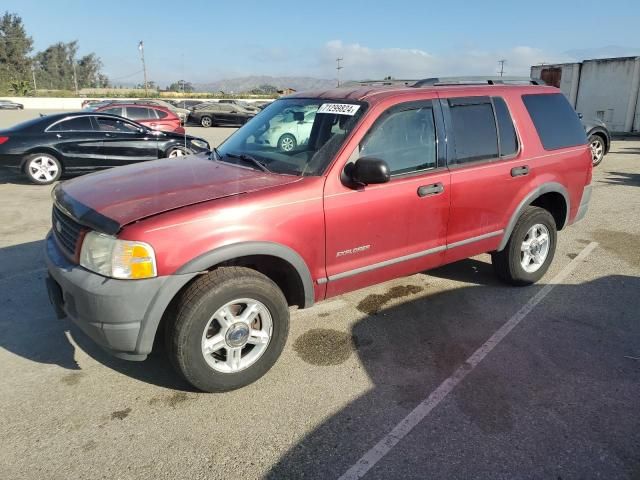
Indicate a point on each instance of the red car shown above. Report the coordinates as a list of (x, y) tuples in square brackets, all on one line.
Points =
[(152, 116), (394, 180)]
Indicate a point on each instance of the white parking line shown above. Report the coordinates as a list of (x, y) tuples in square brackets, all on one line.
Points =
[(391, 439)]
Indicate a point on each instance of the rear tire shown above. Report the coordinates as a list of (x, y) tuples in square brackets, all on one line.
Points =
[(530, 250), (596, 143), (206, 122), (42, 168), (209, 326)]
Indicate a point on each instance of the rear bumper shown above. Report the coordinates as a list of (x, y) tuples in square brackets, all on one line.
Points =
[(121, 316), (13, 162), (584, 204)]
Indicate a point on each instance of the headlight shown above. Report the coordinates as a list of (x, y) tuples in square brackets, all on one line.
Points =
[(200, 143), (115, 258)]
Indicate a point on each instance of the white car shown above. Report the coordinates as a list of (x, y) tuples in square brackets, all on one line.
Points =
[(289, 130)]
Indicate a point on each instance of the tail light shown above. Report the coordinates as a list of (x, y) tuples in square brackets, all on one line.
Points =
[(3, 139)]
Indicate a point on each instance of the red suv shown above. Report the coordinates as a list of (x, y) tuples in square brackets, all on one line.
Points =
[(214, 248), (156, 118)]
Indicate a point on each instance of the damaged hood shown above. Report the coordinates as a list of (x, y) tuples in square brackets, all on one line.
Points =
[(108, 200)]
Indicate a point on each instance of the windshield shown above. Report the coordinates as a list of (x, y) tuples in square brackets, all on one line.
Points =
[(294, 136)]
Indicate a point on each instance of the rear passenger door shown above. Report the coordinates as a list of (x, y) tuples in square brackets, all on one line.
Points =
[(124, 142), (487, 172)]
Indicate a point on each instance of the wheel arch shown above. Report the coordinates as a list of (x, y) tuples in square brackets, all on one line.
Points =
[(280, 263), (551, 196), (604, 136), (40, 149)]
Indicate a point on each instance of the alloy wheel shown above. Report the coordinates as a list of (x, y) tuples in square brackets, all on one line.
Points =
[(237, 335), (535, 248), (43, 168)]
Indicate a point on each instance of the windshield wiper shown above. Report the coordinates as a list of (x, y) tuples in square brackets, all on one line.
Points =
[(249, 159)]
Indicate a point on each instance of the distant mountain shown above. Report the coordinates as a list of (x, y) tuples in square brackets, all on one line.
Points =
[(244, 84)]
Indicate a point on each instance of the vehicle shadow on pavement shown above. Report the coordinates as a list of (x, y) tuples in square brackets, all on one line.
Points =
[(563, 381), (622, 178), (30, 329)]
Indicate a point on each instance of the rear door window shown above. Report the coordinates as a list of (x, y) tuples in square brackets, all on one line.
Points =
[(506, 131), (113, 111), (161, 113), (106, 124), (474, 129), (556, 122), (78, 124), (139, 113)]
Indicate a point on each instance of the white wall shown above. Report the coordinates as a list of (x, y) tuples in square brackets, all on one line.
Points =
[(47, 103), (606, 86)]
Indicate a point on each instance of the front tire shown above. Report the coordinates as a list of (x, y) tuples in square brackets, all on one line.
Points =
[(530, 250), (230, 327), (42, 168), (177, 152), (206, 122), (596, 143)]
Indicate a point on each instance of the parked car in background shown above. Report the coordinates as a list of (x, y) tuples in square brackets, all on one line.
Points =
[(599, 139), (89, 102), (9, 105), (46, 147), (262, 104), (242, 104), (152, 116), (220, 114), (289, 130), (186, 104), (182, 113)]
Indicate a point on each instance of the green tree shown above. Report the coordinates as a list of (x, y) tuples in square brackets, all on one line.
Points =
[(88, 70), (15, 46), (55, 68), (20, 88)]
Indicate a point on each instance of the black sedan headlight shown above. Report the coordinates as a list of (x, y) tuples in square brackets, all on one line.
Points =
[(200, 143)]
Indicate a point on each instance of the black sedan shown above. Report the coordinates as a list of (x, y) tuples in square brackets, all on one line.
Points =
[(9, 105), (44, 148)]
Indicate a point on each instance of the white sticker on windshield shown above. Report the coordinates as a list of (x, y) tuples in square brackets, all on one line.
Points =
[(339, 108)]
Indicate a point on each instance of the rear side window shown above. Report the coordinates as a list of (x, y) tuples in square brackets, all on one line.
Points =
[(556, 122), (161, 113), (113, 111), (506, 131), (474, 129), (78, 124)]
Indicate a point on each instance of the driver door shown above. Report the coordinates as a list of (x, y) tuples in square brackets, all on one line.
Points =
[(125, 142), (378, 232)]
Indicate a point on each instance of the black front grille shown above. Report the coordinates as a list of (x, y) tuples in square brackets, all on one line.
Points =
[(67, 231)]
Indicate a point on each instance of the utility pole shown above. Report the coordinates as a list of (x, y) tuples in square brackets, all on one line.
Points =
[(144, 67), (75, 75), (501, 62), (33, 72), (339, 67)]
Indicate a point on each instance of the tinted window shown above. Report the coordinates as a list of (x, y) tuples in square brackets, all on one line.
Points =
[(474, 129), (113, 111), (114, 125), (74, 124), (139, 113), (405, 139), (556, 122), (506, 130), (160, 113)]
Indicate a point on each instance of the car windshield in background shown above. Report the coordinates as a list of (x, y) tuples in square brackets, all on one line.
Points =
[(294, 136)]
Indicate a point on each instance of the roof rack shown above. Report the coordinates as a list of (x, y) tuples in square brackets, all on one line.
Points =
[(480, 80), (378, 83)]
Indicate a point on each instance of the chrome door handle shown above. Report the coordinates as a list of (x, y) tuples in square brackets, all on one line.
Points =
[(433, 189)]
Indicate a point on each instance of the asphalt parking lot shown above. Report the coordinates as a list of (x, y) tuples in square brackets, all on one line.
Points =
[(472, 378)]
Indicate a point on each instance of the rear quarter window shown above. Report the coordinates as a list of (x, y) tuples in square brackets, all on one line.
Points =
[(556, 122)]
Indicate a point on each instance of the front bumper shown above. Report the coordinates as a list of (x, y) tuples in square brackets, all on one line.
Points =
[(121, 316)]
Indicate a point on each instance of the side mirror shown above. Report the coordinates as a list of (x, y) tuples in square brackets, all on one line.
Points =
[(368, 170)]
